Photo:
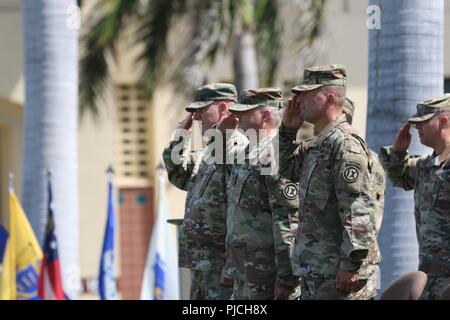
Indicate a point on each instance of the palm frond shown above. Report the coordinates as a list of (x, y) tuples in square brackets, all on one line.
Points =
[(97, 43), (245, 10), (214, 23), (310, 25), (153, 34), (268, 32)]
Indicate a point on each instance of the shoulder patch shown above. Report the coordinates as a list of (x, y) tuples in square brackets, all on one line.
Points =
[(290, 191), (350, 173)]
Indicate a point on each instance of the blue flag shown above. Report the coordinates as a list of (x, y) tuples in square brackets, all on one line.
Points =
[(107, 277), (3, 242)]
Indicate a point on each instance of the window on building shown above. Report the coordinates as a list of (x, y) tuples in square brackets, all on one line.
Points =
[(132, 140)]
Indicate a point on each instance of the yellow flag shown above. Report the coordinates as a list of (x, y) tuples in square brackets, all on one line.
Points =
[(23, 257)]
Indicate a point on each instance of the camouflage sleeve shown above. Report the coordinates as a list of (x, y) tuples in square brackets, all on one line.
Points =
[(179, 161), (402, 169), (289, 153), (283, 200), (356, 203)]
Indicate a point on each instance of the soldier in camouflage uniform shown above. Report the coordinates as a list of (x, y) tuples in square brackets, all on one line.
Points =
[(262, 206), (429, 176), (335, 253), (202, 234)]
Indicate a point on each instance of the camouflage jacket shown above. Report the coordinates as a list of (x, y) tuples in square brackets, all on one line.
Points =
[(262, 220), (203, 231), (430, 179), (339, 214)]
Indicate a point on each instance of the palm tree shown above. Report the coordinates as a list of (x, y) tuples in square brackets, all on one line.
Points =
[(51, 114), (253, 28), (405, 66)]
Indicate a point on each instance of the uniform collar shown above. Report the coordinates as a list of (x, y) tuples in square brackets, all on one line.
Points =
[(438, 160), (327, 130)]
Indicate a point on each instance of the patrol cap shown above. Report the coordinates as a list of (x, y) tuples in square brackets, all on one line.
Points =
[(262, 97), (208, 94), (349, 106), (429, 108), (319, 76)]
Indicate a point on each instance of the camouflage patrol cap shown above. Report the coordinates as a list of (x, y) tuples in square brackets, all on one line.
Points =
[(317, 77), (349, 106), (208, 94), (262, 97), (429, 108)]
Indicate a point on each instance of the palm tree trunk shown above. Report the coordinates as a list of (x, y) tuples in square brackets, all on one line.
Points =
[(51, 125), (244, 61), (405, 66)]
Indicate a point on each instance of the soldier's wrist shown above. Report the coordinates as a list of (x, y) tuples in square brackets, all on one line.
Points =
[(398, 154), (387, 153)]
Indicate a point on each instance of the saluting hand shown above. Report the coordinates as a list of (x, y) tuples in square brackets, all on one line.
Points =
[(229, 121), (186, 123), (403, 139), (293, 113)]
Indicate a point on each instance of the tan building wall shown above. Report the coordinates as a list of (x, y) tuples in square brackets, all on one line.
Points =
[(95, 153), (346, 38), (11, 99), (11, 143), (11, 55)]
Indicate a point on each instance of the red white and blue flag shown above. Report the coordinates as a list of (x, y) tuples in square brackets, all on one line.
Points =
[(50, 282)]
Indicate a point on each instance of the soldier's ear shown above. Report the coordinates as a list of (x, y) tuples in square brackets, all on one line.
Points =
[(330, 98), (444, 120), (265, 115), (223, 108)]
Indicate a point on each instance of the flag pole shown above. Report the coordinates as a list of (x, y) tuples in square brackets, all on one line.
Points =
[(11, 182), (110, 172)]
